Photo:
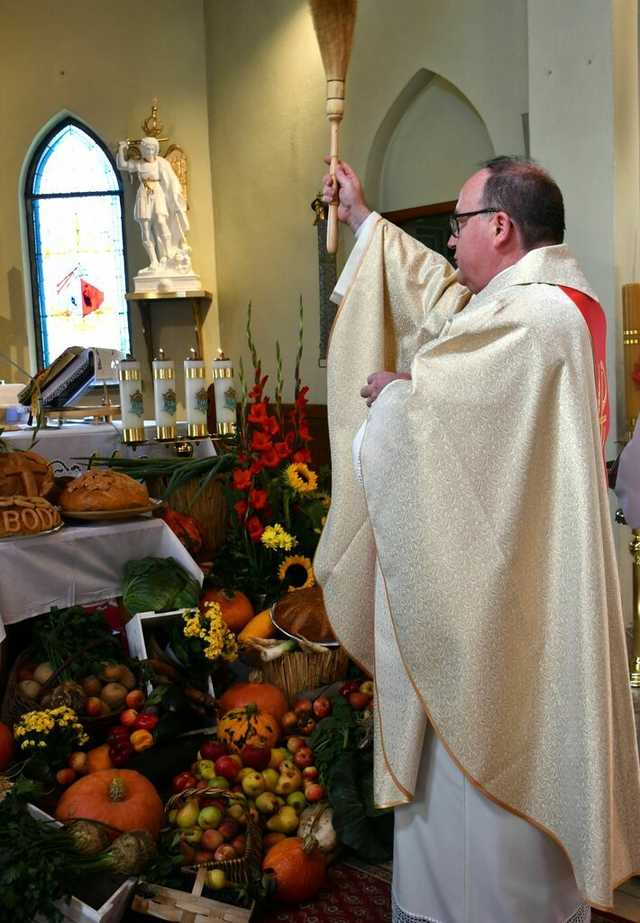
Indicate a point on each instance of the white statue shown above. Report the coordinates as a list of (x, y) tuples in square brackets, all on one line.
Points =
[(161, 212)]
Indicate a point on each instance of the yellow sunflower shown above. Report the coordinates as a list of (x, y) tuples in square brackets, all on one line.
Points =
[(297, 571), (301, 478)]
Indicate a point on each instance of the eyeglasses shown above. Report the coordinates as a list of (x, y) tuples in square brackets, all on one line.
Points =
[(454, 220)]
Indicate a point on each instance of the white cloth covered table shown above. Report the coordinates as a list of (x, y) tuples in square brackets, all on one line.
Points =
[(72, 441), (78, 565)]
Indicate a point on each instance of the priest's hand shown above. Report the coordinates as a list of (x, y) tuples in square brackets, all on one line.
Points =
[(377, 381), (352, 208)]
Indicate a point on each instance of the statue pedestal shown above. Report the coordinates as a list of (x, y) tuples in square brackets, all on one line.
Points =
[(167, 280)]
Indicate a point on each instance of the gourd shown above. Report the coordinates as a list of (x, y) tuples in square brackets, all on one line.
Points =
[(263, 695), (298, 866), (237, 610), (248, 726), (122, 798), (260, 626)]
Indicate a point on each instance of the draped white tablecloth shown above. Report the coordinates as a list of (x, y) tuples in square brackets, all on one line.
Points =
[(72, 441), (78, 565)]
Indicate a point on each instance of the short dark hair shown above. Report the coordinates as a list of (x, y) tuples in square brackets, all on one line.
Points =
[(531, 198)]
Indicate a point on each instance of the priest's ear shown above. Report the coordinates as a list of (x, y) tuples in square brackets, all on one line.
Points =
[(506, 231)]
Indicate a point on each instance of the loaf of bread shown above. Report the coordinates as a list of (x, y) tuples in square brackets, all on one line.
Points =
[(102, 489), (24, 474), (26, 516), (302, 613)]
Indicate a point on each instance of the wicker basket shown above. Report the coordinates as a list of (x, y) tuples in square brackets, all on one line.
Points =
[(237, 871), (296, 672), (209, 509)]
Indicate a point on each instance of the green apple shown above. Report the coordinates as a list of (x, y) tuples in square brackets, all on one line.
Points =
[(219, 782), (192, 836), (216, 879), (209, 817), (278, 754), (270, 777), (253, 784), (297, 800), (205, 769)]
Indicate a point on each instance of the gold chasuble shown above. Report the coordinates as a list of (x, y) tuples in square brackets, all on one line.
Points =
[(473, 571)]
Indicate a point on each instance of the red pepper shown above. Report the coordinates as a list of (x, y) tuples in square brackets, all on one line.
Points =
[(145, 722)]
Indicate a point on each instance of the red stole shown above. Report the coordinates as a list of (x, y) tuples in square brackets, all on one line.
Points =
[(597, 324)]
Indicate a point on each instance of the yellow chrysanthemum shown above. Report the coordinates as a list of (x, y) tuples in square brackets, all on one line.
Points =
[(289, 570), (302, 478), (275, 537)]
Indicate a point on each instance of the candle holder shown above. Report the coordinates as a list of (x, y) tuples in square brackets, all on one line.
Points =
[(225, 395), (131, 401), (164, 397)]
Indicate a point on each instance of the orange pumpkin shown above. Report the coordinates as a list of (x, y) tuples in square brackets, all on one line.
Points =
[(247, 726), (121, 798), (6, 745), (237, 610), (263, 695), (299, 867)]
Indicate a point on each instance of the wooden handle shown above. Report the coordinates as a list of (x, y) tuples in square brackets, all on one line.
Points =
[(332, 217)]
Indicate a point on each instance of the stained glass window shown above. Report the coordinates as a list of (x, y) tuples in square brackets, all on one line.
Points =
[(74, 211)]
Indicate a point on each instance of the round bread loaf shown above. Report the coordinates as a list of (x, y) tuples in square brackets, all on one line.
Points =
[(102, 489), (26, 516), (24, 474), (302, 613)]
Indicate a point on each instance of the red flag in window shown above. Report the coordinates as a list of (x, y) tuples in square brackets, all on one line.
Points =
[(92, 297)]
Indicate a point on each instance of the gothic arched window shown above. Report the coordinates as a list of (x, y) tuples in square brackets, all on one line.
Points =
[(73, 198)]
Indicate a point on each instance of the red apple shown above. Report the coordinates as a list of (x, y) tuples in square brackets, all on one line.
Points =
[(224, 852), (211, 839), (128, 717), (212, 750), (295, 743), (239, 843), (202, 856), (310, 773), (289, 721), (352, 685), (358, 700), (303, 757), (302, 707), (306, 726), (93, 706), (322, 707), (183, 780), (229, 828), (135, 699), (227, 767), (314, 792), (255, 757)]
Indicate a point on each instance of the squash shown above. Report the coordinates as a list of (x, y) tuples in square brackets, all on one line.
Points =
[(99, 758), (260, 626), (237, 610), (248, 727), (300, 869), (263, 695), (121, 798)]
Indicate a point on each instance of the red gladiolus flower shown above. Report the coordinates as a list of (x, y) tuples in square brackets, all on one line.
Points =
[(254, 528), (303, 432), (301, 399), (270, 458), (290, 438), (256, 467), (282, 449), (258, 413), (260, 442), (302, 455), (271, 425), (241, 508), (258, 499), (242, 478)]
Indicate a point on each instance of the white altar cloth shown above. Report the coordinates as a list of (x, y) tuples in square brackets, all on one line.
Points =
[(79, 565), (72, 441)]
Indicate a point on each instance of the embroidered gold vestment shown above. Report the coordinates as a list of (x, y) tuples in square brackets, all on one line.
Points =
[(473, 572)]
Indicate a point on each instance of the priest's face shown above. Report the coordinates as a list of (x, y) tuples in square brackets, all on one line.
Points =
[(475, 252)]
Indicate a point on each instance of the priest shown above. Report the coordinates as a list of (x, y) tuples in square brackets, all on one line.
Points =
[(468, 563)]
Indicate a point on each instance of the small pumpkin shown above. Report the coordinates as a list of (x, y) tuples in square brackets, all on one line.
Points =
[(300, 869), (260, 626), (122, 798), (248, 727), (237, 610), (265, 696)]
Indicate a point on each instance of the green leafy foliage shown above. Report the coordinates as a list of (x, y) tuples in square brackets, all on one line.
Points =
[(158, 585), (75, 635)]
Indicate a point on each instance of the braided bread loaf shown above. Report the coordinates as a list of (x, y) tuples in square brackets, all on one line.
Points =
[(24, 474), (26, 516)]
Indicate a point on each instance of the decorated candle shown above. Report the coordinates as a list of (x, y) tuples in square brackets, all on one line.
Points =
[(164, 396), (195, 395), (131, 400), (225, 394)]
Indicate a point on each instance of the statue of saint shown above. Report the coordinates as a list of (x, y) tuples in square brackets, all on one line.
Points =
[(160, 210)]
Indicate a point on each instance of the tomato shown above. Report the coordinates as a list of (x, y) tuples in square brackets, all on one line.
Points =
[(183, 780)]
